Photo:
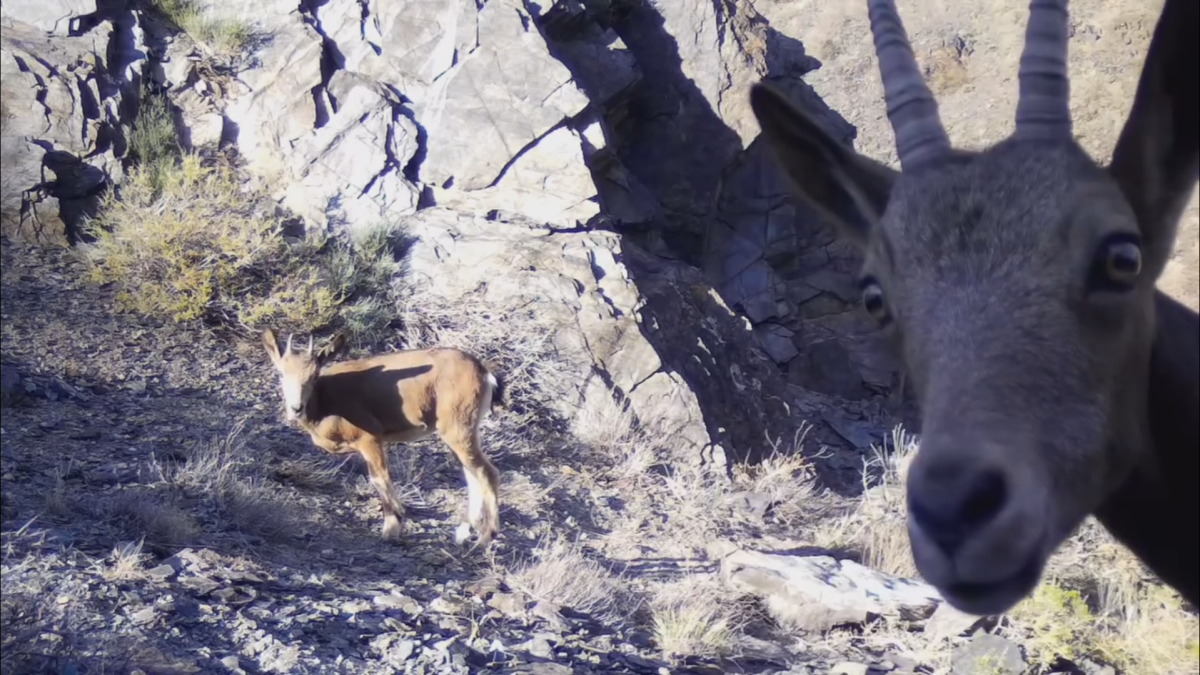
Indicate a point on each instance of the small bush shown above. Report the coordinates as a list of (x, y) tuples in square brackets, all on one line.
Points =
[(186, 241), (1058, 625), (225, 37), (152, 139)]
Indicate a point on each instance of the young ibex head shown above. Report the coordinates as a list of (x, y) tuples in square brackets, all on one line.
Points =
[(298, 370), (1018, 286)]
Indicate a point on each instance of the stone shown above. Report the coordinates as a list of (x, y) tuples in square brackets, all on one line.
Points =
[(349, 170), (10, 384), (948, 622), (849, 668), (511, 605), (549, 183), (987, 654), (272, 105), (589, 303), (816, 593), (776, 341)]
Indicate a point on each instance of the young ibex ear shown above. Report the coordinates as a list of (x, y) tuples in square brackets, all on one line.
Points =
[(332, 348), (848, 188), (1156, 157), (269, 342)]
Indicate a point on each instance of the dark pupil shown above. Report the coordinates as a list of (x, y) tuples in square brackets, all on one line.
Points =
[(1122, 261)]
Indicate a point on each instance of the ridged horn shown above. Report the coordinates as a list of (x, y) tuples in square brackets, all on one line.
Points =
[(911, 108), (1044, 105)]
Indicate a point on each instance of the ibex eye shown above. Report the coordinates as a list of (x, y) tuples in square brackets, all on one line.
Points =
[(1117, 264), (872, 297)]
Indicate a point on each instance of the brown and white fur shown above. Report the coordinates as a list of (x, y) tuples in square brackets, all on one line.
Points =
[(363, 404), (1018, 284)]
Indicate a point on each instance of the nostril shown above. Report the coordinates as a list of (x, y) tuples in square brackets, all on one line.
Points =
[(985, 499), (949, 510)]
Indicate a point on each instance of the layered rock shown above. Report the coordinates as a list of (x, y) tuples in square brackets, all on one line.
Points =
[(63, 100)]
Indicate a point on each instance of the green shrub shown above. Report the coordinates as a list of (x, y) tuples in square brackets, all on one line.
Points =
[(226, 37), (186, 241)]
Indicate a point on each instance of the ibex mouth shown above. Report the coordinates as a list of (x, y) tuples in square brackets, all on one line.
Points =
[(996, 597)]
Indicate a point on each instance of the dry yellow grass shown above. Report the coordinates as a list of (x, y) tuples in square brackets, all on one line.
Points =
[(877, 529), (562, 574), (127, 562), (697, 615)]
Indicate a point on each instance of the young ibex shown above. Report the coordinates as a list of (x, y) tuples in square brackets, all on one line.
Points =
[(1054, 380), (360, 405)]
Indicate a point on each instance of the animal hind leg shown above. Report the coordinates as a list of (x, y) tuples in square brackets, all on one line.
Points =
[(482, 480), (372, 452)]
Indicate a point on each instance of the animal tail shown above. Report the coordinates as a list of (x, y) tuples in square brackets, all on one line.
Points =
[(499, 391)]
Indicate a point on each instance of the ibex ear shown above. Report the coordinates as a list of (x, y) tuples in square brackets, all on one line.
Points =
[(848, 188), (272, 347), (332, 348), (1156, 157)]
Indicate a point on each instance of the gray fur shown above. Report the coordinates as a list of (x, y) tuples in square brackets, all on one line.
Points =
[(1053, 382)]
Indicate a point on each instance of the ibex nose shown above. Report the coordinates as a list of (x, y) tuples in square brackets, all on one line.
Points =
[(951, 501)]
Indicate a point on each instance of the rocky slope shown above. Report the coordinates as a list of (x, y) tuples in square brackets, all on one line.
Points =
[(544, 161)]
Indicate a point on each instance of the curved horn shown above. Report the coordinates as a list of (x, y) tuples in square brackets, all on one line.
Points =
[(911, 107), (310, 345), (1044, 105), (288, 349)]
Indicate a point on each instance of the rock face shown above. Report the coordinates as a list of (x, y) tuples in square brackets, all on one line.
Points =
[(62, 99), (612, 142)]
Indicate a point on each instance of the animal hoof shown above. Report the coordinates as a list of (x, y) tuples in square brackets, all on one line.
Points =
[(391, 529), (462, 534)]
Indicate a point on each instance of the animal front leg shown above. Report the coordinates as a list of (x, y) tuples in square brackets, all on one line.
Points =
[(393, 511)]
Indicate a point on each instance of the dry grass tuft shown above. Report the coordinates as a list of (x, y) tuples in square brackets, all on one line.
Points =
[(784, 477), (692, 508), (877, 529), (1056, 622), (127, 562), (562, 574), (152, 515), (519, 493), (697, 616), (1151, 632), (222, 472), (153, 140)]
